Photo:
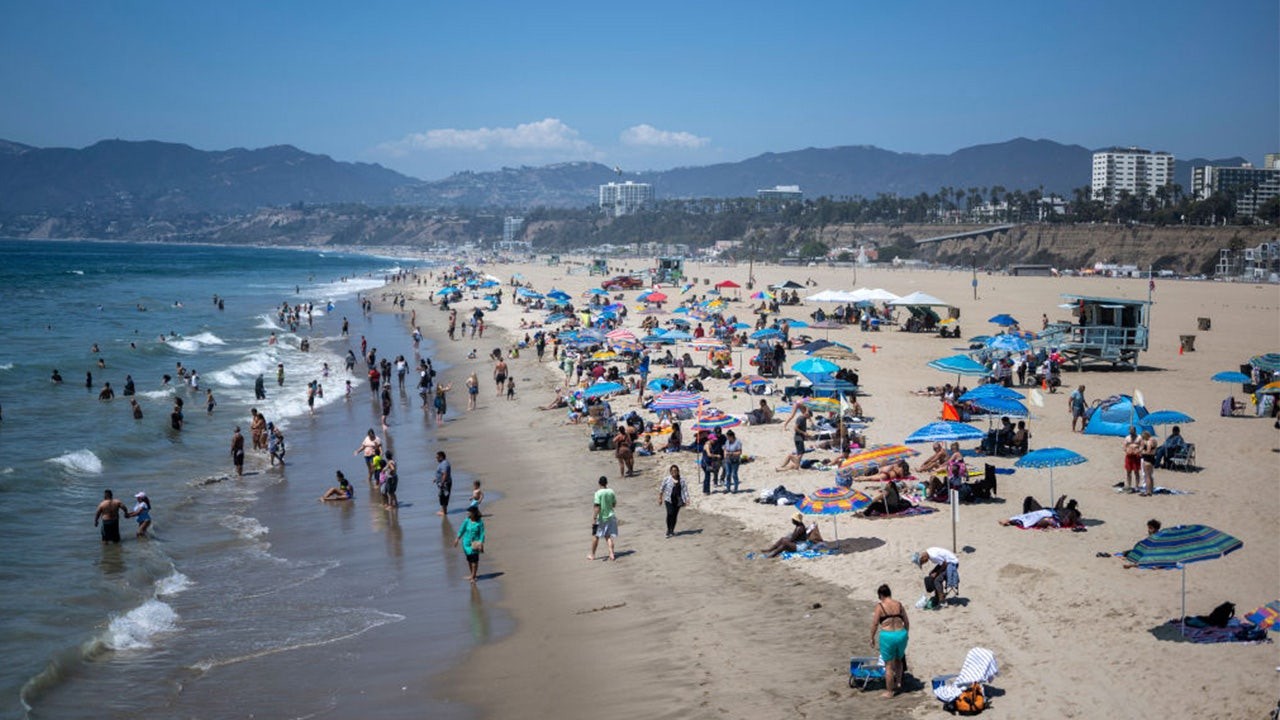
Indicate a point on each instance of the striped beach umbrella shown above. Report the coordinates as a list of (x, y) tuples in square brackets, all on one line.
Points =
[(877, 455), (620, 334), (749, 381), (715, 419), (676, 400), (945, 431), (833, 500), (960, 365), (1176, 547)]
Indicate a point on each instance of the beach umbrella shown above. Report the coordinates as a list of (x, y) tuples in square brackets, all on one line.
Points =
[(1008, 343), (945, 431), (980, 339), (447, 290), (826, 325), (679, 322), (620, 334), (1050, 457), (712, 419), (877, 455), (1269, 361), (762, 295), (748, 381), (837, 352), (1266, 616), (527, 293), (674, 335), (1002, 406), (960, 365), (815, 366), (1003, 320), (597, 291), (1176, 547), (678, 400), (1231, 377), (811, 347), (766, 334), (605, 355), (682, 310), (991, 390), (707, 345), (655, 297), (601, 389), (823, 403), (786, 285), (794, 323), (1271, 388), (559, 295), (631, 346), (830, 384), (1168, 417), (741, 326), (660, 384), (833, 500)]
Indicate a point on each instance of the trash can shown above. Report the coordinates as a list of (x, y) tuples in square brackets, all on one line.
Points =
[(1203, 324), (1188, 342)]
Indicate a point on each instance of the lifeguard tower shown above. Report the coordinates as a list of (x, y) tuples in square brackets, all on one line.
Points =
[(1106, 331), (670, 270), (599, 266)]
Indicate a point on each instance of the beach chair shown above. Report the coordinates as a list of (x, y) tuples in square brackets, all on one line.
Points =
[(1183, 459), (865, 670), (979, 667)]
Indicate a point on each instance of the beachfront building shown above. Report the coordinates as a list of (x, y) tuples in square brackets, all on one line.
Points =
[(1247, 186), (1133, 170), (778, 196), (511, 228), (624, 198)]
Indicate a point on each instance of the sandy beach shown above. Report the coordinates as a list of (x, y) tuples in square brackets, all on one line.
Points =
[(691, 627)]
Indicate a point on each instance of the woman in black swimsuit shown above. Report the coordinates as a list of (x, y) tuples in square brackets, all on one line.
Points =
[(889, 621)]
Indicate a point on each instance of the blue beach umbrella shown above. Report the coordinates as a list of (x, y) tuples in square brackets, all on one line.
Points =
[(1050, 457), (560, 295), (682, 310), (597, 291), (1008, 343), (1002, 406), (766, 334), (447, 290), (1176, 547), (796, 323), (815, 366), (960, 365), (945, 431), (660, 384), (1003, 320), (741, 326), (600, 389), (1231, 377), (674, 335), (991, 390), (1168, 417)]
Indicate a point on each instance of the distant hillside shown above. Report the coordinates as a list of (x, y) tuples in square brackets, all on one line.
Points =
[(116, 178), (156, 178)]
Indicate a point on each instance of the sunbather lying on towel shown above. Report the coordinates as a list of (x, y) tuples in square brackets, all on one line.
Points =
[(897, 471), (1065, 514), (799, 533)]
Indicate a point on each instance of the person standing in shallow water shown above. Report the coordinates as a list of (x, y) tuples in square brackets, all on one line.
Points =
[(108, 514), (471, 538), (237, 451)]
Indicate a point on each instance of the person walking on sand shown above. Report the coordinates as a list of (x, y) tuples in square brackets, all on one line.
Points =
[(500, 375), (889, 624), (141, 512), (473, 390), (1076, 405), (674, 494), (604, 523), (471, 538), (237, 451), (108, 513), (444, 481)]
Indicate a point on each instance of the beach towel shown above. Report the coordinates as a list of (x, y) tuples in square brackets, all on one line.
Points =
[(1234, 632), (979, 667), (909, 512)]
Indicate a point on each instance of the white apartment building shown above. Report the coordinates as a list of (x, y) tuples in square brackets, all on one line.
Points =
[(1249, 187), (511, 227), (1133, 169), (625, 198)]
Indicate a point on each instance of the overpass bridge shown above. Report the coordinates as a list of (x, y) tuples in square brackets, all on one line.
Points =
[(988, 233)]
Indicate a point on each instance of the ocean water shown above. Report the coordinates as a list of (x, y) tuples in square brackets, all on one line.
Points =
[(251, 598)]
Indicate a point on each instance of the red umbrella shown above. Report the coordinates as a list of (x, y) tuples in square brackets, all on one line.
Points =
[(655, 297), (727, 284)]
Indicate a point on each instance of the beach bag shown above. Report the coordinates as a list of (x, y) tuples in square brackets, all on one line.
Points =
[(1221, 615), (970, 702)]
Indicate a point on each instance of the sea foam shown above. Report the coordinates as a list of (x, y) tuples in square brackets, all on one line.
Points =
[(138, 628), (81, 462)]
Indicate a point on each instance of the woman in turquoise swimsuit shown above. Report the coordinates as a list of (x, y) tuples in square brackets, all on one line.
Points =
[(890, 622)]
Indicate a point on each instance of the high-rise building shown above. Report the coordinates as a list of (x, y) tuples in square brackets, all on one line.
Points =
[(511, 227), (1137, 171), (780, 194), (625, 198), (1248, 186)]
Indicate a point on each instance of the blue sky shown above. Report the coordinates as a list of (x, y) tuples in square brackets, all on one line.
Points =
[(429, 88)]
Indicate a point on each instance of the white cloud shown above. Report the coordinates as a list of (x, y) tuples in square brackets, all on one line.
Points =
[(645, 135), (549, 134)]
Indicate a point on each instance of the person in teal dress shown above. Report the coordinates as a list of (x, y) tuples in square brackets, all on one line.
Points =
[(471, 538)]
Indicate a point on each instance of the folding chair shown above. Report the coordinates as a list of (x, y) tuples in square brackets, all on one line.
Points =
[(1184, 459)]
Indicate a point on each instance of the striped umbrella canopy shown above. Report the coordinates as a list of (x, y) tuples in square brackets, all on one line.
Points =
[(762, 295), (825, 404), (1050, 457), (678, 400), (715, 419), (833, 500), (1231, 377), (629, 346), (620, 334), (945, 431), (960, 365), (749, 381), (876, 455), (1269, 361), (991, 390), (1271, 388), (836, 352), (1176, 547)]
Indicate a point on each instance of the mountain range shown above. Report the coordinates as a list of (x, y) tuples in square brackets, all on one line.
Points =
[(158, 179)]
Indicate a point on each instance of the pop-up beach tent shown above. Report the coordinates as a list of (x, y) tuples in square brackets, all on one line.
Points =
[(1114, 415)]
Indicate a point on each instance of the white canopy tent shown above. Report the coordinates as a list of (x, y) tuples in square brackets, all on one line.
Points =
[(920, 299)]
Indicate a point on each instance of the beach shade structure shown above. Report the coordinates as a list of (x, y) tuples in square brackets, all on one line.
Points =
[(1231, 377), (447, 290), (1271, 388), (597, 291), (919, 299), (837, 353), (530, 294), (602, 389), (1168, 417), (727, 284), (823, 404), (713, 419), (795, 323), (1003, 320), (558, 317), (654, 297), (877, 455), (991, 390), (1266, 616), (748, 382), (1008, 343), (1176, 547), (680, 322), (741, 326), (815, 366), (833, 501), (766, 334), (1001, 406), (829, 384), (676, 335), (945, 431), (660, 384), (707, 345), (1050, 457), (960, 365), (627, 346), (1114, 415), (605, 355), (762, 295), (826, 325), (620, 334), (1269, 361), (682, 310), (559, 295), (786, 285), (678, 400), (980, 339), (811, 347)]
